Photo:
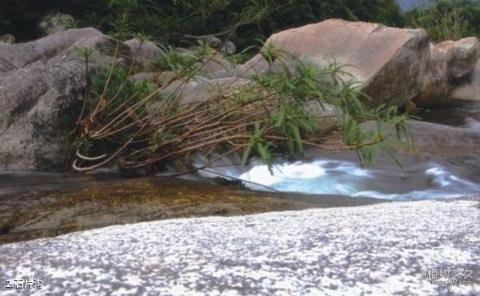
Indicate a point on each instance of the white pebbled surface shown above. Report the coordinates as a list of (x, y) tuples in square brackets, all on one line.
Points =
[(377, 250)]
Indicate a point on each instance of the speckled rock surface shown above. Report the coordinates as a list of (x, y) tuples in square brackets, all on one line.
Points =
[(383, 249)]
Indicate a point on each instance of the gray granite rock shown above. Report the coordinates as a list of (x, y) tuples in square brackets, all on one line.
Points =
[(22, 54), (39, 104), (384, 249), (41, 87)]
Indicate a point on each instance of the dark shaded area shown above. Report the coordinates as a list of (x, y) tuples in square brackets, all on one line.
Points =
[(20, 17), (171, 20), (453, 113)]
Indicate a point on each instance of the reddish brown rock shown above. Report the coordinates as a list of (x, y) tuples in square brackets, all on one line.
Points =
[(388, 62)]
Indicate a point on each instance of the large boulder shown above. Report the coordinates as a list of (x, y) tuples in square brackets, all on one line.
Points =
[(41, 88), (387, 62), (20, 55), (40, 104), (450, 63)]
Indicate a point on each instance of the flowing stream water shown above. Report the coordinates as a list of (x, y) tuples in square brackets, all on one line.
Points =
[(410, 178), (36, 205), (428, 180)]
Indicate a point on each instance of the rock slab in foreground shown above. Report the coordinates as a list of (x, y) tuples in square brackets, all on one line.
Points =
[(382, 250)]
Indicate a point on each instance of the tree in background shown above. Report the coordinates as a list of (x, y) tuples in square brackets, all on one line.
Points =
[(170, 21), (447, 19)]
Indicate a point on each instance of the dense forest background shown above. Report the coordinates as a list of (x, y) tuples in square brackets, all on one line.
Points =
[(170, 21)]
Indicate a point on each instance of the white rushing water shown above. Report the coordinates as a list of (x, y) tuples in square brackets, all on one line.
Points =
[(426, 181)]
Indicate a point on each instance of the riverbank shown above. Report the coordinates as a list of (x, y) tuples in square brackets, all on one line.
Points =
[(49, 205)]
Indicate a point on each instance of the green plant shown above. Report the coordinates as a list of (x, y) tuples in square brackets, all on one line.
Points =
[(173, 59), (112, 109), (447, 19), (122, 11), (139, 126)]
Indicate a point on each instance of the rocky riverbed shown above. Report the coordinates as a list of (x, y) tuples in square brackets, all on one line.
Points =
[(34, 206)]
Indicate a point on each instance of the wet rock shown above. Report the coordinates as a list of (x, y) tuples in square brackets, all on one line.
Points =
[(38, 205), (388, 62), (56, 22), (320, 252)]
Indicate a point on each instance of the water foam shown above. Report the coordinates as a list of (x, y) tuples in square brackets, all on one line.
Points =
[(347, 178)]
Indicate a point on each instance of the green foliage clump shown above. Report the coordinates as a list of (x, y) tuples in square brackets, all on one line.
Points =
[(308, 84), (122, 91), (173, 59), (447, 19), (111, 102), (273, 114)]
